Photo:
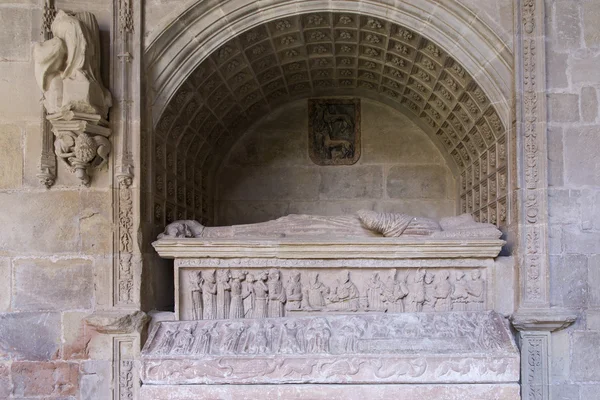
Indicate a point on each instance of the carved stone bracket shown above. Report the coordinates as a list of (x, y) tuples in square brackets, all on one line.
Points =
[(81, 142)]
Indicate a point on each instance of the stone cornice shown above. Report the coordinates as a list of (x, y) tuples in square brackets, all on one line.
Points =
[(118, 323), (377, 248), (547, 319)]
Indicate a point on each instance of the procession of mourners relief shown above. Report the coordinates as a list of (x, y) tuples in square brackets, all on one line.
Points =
[(234, 294)]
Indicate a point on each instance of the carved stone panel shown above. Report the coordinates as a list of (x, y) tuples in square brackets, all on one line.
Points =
[(222, 293), (453, 347), (334, 131)]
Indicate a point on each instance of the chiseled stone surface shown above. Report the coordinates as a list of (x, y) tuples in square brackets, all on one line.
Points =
[(41, 285), (42, 340), (11, 157), (45, 379), (333, 392)]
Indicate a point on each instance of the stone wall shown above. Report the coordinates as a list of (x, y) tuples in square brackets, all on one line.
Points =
[(573, 45), (269, 174), (55, 245)]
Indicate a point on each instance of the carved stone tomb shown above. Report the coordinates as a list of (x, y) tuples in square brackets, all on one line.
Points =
[(305, 301)]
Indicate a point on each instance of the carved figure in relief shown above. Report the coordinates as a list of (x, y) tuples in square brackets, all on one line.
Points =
[(261, 296), (209, 295), (317, 336), (442, 292), (167, 342), (345, 295), (276, 294), (375, 293), (416, 292), (350, 333), (294, 292), (196, 282), (395, 293), (289, 338), (460, 294), (248, 288), (316, 292), (223, 294), (476, 289), (364, 223), (236, 309), (231, 334), (202, 342), (430, 299), (183, 341)]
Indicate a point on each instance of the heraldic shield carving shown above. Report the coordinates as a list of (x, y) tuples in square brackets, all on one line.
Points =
[(334, 131)]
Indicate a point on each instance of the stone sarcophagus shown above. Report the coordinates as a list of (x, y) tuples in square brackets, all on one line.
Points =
[(287, 302)]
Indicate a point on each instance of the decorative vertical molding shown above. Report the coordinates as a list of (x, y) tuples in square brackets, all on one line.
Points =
[(47, 165), (531, 132), (534, 365), (125, 371), (123, 80)]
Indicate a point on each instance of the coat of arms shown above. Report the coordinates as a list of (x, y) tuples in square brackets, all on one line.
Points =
[(334, 131)]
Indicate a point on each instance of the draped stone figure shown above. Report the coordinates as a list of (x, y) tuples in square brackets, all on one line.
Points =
[(261, 293), (67, 67), (294, 292), (416, 292), (476, 290), (442, 291), (430, 299), (277, 297), (209, 295), (67, 70), (375, 293), (395, 293), (197, 304), (460, 294), (362, 224), (236, 308), (345, 295), (223, 294), (316, 292)]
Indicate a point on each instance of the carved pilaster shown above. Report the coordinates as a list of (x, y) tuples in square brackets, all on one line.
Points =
[(531, 128), (125, 369), (123, 87)]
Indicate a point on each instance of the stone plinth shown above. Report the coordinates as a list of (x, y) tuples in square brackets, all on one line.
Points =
[(508, 391), (438, 348)]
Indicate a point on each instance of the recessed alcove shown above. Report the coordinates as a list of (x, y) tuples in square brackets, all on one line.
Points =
[(229, 147)]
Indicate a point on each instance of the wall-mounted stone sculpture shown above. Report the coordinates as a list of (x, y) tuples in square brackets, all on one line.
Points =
[(334, 131), (67, 70)]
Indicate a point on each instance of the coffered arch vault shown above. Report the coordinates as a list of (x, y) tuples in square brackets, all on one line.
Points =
[(458, 98)]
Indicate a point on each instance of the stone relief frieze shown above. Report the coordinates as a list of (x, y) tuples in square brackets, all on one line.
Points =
[(274, 293), (330, 349)]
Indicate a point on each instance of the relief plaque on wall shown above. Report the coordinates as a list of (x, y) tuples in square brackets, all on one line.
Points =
[(334, 131)]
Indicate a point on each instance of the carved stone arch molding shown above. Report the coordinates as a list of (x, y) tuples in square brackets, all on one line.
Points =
[(482, 61)]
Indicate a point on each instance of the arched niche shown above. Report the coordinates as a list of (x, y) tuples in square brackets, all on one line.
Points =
[(445, 71)]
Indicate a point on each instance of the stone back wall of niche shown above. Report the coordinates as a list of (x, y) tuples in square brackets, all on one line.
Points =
[(315, 55)]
